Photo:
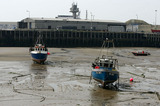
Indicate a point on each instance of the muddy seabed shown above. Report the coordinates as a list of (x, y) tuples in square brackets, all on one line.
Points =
[(64, 78)]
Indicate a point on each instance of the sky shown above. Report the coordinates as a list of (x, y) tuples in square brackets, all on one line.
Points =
[(119, 10)]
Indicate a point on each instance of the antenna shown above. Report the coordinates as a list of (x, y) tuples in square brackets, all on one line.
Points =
[(86, 15), (74, 10), (79, 13)]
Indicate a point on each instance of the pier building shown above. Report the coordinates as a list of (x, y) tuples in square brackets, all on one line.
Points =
[(72, 24)]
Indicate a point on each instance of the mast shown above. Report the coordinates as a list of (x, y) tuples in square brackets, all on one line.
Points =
[(39, 39), (106, 42)]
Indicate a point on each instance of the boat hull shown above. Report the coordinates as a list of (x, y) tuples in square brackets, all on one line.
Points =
[(141, 54), (39, 57), (105, 76)]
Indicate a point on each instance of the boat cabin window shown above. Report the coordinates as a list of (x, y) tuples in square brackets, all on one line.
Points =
[(42, 49), (107, 64), (37, 49), (111, 65)]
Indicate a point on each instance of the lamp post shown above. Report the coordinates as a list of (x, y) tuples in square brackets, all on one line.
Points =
[(93, 17), (155, 18), (28, 13), (137, 16), (91, 20)]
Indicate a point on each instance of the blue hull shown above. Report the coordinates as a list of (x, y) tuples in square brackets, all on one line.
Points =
[(106, 76), (39, 57)]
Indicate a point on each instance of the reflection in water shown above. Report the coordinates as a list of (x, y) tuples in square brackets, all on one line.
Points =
[(102, 97), (38, 74)]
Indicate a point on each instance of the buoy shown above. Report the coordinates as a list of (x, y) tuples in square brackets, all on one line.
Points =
[(131, 79), (97, 67), (48, 53)]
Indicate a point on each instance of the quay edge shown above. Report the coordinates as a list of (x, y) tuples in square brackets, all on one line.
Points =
[(69, 38)]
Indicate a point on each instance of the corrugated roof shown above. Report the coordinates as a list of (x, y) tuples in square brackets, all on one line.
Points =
[(79, 20)]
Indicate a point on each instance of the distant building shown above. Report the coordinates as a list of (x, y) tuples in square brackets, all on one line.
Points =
[(65, 16), (135, 25), (8, 25), (72, 24), (74, 10)]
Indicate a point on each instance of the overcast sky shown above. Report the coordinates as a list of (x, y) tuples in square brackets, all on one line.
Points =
[(119, 10)]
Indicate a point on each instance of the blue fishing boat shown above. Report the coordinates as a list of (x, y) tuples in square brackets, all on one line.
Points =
[(39, 52), (104, 68)]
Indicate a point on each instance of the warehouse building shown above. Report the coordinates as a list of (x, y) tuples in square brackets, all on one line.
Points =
[(71, 24)]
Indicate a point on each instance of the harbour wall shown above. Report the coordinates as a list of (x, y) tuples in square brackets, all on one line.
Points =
[(66, 38)]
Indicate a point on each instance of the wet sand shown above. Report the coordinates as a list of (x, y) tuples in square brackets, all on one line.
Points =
[(64, 78)]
